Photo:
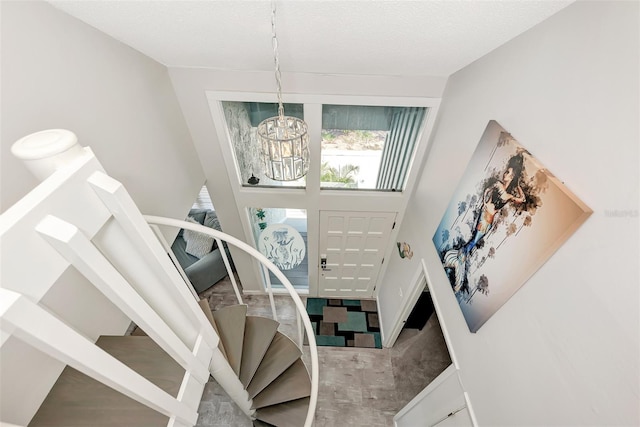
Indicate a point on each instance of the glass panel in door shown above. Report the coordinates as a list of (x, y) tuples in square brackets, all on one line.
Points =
[(281, 235)]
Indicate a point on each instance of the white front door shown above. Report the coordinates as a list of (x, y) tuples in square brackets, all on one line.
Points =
[(352, 246)]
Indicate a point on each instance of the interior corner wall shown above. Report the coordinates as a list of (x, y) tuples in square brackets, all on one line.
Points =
[(564, 350), (58, 72)]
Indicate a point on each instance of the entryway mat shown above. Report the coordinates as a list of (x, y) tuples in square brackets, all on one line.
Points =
[(345, 322)]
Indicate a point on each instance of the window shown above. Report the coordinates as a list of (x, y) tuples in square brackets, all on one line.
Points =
[(366, 147), (242, 120)]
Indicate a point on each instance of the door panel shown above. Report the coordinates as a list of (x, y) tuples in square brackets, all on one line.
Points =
[(353, 244)]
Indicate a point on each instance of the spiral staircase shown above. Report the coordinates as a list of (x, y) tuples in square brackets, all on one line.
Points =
[(267, 362), (102, 265)]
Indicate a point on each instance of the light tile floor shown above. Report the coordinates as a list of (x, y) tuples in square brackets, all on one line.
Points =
[(358, 386)]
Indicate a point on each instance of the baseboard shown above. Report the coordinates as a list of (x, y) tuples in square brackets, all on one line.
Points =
[(275, 292)]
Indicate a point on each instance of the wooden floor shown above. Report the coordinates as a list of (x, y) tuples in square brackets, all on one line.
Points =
[(358, 386)]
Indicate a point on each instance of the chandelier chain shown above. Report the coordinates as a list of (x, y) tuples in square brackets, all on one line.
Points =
[(274, 40)]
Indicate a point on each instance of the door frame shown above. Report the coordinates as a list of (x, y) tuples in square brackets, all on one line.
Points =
[(312, 198), (418, 284)]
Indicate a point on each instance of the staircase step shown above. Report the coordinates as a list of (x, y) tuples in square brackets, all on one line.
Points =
[(231, 321), (258, 423), (294, 383), (206, 309), (258, 334), (281, 354), (288, 414), (78, 400)]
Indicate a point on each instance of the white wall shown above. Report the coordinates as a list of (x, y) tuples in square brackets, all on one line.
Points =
[(191, 87), (564, 350), (57, 72)]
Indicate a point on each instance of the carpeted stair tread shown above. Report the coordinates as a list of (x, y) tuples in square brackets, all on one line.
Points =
[(294, 383), (258, 334), (281, 354), (206, 309), (258, 423), (288, 414), (79, 400), (231, 322)]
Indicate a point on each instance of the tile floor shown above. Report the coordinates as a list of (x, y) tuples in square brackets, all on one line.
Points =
[(358, 386)]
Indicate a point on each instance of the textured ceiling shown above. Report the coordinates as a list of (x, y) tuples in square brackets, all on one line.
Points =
[(432, 38)]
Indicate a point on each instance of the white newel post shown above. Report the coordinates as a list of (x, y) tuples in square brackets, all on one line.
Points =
[(46, 151)]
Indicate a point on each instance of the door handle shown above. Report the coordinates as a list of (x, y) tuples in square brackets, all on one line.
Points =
[(323, 263)]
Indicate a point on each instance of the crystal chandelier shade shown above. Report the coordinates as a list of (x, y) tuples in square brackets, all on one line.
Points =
[(284, 148), (284, 141)]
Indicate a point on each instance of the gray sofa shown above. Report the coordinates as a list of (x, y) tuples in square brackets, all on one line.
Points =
[(209, 269)]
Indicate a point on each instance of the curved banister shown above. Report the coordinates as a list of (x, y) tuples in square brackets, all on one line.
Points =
[(283, 279)]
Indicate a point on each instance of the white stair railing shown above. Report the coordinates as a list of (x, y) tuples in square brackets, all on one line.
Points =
[(35, 326), (79, 220), (267, 265), (79, 216)]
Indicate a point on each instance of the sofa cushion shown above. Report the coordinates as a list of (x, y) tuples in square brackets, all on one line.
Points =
[(198, 214), (211, 220), (198, 244), (179, 249)]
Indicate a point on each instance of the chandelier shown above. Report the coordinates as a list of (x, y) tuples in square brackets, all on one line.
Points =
[(284, 141)]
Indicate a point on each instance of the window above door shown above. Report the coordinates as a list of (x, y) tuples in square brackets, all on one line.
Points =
[(368, 147), (242, 119), (355, 147)]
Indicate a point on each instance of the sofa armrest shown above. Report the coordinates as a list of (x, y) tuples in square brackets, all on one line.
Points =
[(206, 271)]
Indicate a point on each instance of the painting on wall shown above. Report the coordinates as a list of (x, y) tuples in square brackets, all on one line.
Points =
[(507, 216)]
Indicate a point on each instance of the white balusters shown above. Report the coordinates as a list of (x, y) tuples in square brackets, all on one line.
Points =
[(80, 251), (40, 329), (227, 265), (267, 278)]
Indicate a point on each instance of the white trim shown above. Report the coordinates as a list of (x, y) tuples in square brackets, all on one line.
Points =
[(441, 318), (467, 399), (308, 98), (276, 291), (418, 284)]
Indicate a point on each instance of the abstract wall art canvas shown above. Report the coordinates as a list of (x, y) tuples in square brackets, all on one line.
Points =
[(506, 218)]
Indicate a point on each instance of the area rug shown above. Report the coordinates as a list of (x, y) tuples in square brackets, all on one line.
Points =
[(344, 322)]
